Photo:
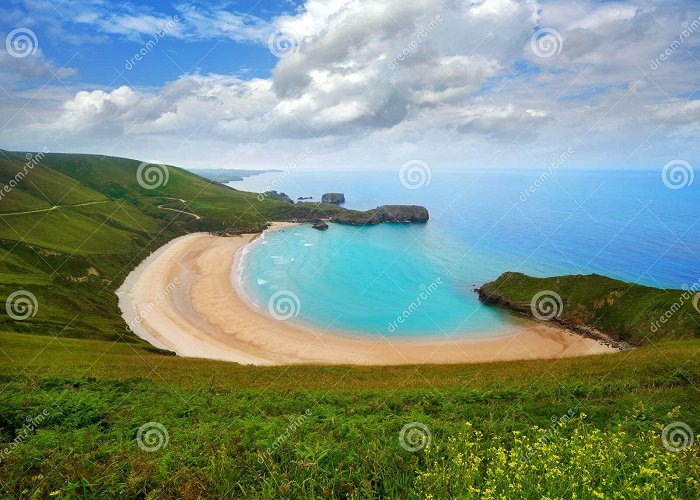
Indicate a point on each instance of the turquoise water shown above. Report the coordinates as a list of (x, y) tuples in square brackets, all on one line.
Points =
[(627, 225)]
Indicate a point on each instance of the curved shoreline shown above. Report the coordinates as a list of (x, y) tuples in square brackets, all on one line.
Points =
[(181, 298)]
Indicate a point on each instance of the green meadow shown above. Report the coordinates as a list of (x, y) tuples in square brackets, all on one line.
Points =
[(304, 432), (87, 410)]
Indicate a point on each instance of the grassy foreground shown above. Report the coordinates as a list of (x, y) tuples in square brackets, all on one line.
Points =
[(585, 427)]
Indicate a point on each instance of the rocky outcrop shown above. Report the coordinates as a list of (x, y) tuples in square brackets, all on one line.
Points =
[(333, 198), (278, 196), (380, 215), (320, 225)]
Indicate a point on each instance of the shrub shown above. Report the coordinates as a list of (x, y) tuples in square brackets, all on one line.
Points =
[(571, 459)]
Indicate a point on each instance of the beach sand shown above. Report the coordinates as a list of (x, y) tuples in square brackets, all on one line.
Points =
[(181, 298)]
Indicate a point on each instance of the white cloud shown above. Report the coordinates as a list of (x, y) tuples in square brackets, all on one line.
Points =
[(35, 66), (339, 83), (446, 79)]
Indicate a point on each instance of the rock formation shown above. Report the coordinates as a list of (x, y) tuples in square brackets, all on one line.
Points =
[(385, 213), (334, 198)]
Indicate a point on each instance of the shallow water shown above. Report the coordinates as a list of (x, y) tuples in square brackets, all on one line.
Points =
[(627, 225)]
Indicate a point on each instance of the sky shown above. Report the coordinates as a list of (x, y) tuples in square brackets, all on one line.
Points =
[(354, 84)]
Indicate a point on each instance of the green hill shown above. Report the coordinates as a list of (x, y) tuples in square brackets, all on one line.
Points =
[(624, 311), (72, 226)]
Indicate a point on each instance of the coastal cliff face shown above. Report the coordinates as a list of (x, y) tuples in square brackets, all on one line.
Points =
[(333, 198), (380, 215), (623, 314)]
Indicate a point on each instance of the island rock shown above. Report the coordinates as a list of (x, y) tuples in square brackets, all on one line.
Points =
[(320, 225), (333, 198)]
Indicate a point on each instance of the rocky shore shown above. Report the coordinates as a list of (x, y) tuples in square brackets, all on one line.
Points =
[(580, 329)]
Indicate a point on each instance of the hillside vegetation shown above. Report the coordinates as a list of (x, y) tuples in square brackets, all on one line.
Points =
[(73, 226), (528, 429), (625, 311)]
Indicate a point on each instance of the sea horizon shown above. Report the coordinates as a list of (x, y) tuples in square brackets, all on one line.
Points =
[(466, 245)]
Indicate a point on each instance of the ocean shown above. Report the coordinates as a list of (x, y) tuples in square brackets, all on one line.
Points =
[(417, 280)]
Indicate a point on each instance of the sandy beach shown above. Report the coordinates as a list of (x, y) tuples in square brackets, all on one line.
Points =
[(181, 298)]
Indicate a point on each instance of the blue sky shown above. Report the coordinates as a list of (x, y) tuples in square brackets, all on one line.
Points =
[(482, 83), (73, 33)]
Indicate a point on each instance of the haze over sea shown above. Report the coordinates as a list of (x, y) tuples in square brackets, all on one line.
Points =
[(624, 224)]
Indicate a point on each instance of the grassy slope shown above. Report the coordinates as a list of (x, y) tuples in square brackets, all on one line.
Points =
[(621, 310), (73, 258), (221, 418)]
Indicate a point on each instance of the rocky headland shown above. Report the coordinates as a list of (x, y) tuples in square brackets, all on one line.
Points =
[(380, 215), (333, 198)]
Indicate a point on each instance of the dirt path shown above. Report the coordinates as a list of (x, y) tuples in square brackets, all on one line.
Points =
[(56, 207)]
